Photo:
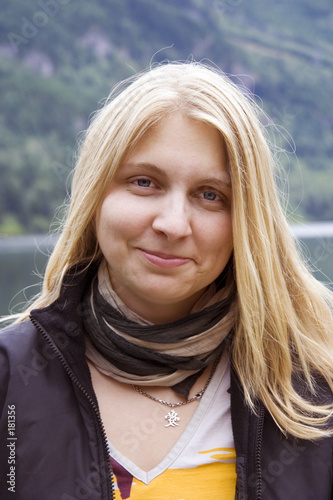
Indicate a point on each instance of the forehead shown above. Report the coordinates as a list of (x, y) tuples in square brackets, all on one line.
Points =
[(180, 141)]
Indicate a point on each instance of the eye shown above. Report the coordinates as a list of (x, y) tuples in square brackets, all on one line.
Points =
[(212, 199), (145, 183), (210, 195), (143, 186)]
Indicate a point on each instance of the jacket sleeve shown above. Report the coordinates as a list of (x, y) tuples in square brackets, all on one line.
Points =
[(4, 379), (7, 416)]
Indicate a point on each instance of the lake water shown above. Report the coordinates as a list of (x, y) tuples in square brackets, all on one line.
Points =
[(23, 260)]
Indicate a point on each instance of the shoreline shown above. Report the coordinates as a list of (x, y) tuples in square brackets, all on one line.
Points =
[(28, 242)]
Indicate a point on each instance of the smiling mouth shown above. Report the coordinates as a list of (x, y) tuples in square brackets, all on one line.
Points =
[(163, 260)]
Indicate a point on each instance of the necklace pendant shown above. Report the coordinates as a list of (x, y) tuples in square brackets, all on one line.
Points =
[(172, 418)]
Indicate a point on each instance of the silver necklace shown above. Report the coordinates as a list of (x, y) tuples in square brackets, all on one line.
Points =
[(172, 417)]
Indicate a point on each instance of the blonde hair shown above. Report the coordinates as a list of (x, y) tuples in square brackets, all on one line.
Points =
[(284, 326)]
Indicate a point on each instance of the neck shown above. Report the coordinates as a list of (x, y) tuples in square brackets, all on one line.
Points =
[(162, 313)]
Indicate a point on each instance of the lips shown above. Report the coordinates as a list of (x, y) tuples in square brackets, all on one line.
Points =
[(163, 260)]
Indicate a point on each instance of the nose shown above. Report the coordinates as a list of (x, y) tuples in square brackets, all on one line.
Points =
[(173, 218)]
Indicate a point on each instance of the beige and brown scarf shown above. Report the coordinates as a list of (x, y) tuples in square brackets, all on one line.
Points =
[(132, 350)]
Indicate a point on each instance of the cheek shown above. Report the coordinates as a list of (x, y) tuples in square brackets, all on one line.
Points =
[(106, 223), (217, 237), (117, 221)]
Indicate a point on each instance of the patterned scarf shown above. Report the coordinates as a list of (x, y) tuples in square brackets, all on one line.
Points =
[(132, 350)]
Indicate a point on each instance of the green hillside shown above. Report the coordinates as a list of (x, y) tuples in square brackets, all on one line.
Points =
[(60, 58)]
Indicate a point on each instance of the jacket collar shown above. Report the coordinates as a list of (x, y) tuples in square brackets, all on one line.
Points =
[(61, 322)]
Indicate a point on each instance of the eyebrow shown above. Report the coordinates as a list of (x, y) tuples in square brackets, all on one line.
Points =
[(142, 164), (154, 168)]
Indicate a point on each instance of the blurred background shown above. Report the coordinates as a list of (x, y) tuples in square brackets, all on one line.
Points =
[(59, 60)]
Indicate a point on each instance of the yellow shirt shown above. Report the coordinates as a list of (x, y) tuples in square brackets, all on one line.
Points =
[(212, 481), (201, 465)]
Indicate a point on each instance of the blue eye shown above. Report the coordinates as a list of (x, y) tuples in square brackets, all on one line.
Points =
[(209, 195), (144, 183)]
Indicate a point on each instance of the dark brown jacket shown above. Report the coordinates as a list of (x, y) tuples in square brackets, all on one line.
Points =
[(52, 442)]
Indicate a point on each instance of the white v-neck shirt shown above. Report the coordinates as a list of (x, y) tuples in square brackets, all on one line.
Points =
[(201, 465)]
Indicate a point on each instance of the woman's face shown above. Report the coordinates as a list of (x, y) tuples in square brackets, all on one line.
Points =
[(164, 226)]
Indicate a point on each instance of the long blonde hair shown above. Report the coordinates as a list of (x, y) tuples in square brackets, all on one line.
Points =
[(284, 326)]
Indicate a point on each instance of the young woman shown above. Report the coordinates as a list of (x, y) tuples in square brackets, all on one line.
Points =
[(179, 348)]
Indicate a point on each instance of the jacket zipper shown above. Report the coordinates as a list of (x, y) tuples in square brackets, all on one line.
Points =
[(258, 451), (85, 393)]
